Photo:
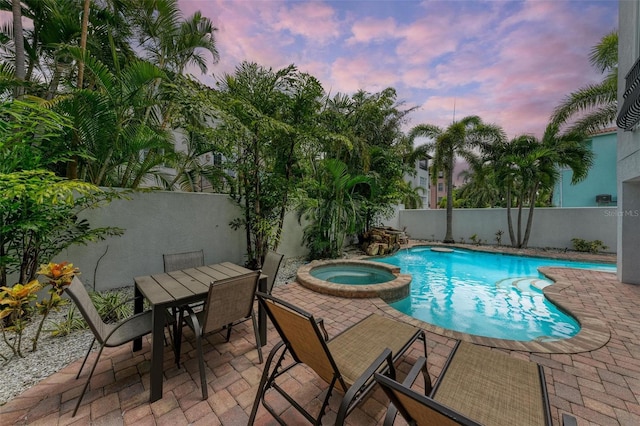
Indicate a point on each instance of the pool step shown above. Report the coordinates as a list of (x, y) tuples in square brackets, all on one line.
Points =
[(525, 285)]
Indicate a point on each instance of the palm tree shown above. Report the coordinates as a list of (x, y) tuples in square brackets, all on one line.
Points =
[(527, 167), (268, 117), (332, 207), (118, 145), (18, 40), (458, 139), (594, 106)]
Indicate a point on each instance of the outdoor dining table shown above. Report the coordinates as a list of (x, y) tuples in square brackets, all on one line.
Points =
[(179, 288)]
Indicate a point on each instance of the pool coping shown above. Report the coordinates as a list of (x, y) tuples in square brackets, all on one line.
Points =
[(389, 291)]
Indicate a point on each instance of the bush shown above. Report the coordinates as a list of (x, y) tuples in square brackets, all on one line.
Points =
[(594, 246)]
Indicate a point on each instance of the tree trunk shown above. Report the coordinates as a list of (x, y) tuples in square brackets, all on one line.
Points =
[(532, 205), (448, 238), (72, 164), (512, 237), (520, 201), (18, 38)]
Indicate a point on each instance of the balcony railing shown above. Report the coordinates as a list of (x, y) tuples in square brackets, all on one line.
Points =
[(630, 112)]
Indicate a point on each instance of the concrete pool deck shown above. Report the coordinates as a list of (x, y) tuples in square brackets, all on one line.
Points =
[(599, 386)]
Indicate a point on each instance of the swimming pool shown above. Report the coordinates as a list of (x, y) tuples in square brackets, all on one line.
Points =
[(485, 294)]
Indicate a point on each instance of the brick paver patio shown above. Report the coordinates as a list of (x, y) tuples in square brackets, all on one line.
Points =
[(599, 387)]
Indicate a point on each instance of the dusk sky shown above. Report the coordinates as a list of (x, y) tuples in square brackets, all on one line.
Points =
[(510, 62)]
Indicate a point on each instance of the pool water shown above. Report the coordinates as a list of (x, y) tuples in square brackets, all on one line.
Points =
[(485, 294), (352, 274)]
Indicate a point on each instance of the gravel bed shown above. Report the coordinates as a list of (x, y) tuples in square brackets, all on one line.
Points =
[(54, 353)]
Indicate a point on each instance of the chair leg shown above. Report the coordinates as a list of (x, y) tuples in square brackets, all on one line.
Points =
[(178, 337), (229, 326), (263, 381), (86, 384), (257, 336), (85, 358), (203, 373)]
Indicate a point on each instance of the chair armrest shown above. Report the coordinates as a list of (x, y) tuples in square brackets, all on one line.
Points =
[(356, 389), (568, 420), (192, 319), (320, 322), (124, 322), (420, 365)]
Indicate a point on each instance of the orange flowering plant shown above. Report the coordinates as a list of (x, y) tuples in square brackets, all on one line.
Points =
[(15, 309), (60, 276), (15, 302)]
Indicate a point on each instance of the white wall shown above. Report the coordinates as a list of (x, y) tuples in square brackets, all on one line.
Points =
[(169, 222), (552, 227), (166, 222)]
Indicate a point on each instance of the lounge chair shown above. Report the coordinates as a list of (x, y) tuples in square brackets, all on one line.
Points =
[(477, 386), (346, 362), (107, 335)]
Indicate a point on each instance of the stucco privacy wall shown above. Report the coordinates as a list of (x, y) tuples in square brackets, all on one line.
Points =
[(156, 223), (552, 227), (169, 222), (165, 222)]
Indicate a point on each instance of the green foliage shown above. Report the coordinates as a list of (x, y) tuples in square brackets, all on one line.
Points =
[(111, 305), (594, 246), (594, 107), (16, 310), (458, 140), (26, 132), (73, 321), (269, 117), (39, 218), (331, 204)]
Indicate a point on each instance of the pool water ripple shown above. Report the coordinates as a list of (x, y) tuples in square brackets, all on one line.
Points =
[(484, 294)]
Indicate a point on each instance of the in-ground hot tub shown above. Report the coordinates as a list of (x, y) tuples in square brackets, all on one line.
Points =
[(355, 278)]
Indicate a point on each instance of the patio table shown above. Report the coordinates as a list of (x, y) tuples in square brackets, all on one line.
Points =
[(178, 288)]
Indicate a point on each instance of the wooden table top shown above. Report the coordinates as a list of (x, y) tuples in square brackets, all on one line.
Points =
[(185, 285)]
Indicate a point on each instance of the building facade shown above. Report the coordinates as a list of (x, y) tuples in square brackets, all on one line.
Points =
[(628, 152), (599, 188)]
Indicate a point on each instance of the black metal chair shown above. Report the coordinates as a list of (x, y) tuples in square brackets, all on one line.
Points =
[(270, 267), (176, 262), (107, 335), (229, 301)]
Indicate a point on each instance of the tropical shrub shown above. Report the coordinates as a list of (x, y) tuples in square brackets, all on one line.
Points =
[(331, 205), (39, 218), (16, 303), (594, 246)]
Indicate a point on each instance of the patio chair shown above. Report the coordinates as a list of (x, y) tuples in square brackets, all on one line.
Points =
[(107, 335), (477, 386), (270, 267), (229, 301), (346, 362), (176, 262)]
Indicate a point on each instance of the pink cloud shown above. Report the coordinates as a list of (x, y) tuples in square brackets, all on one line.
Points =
[(369, 30), (315, 21)]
